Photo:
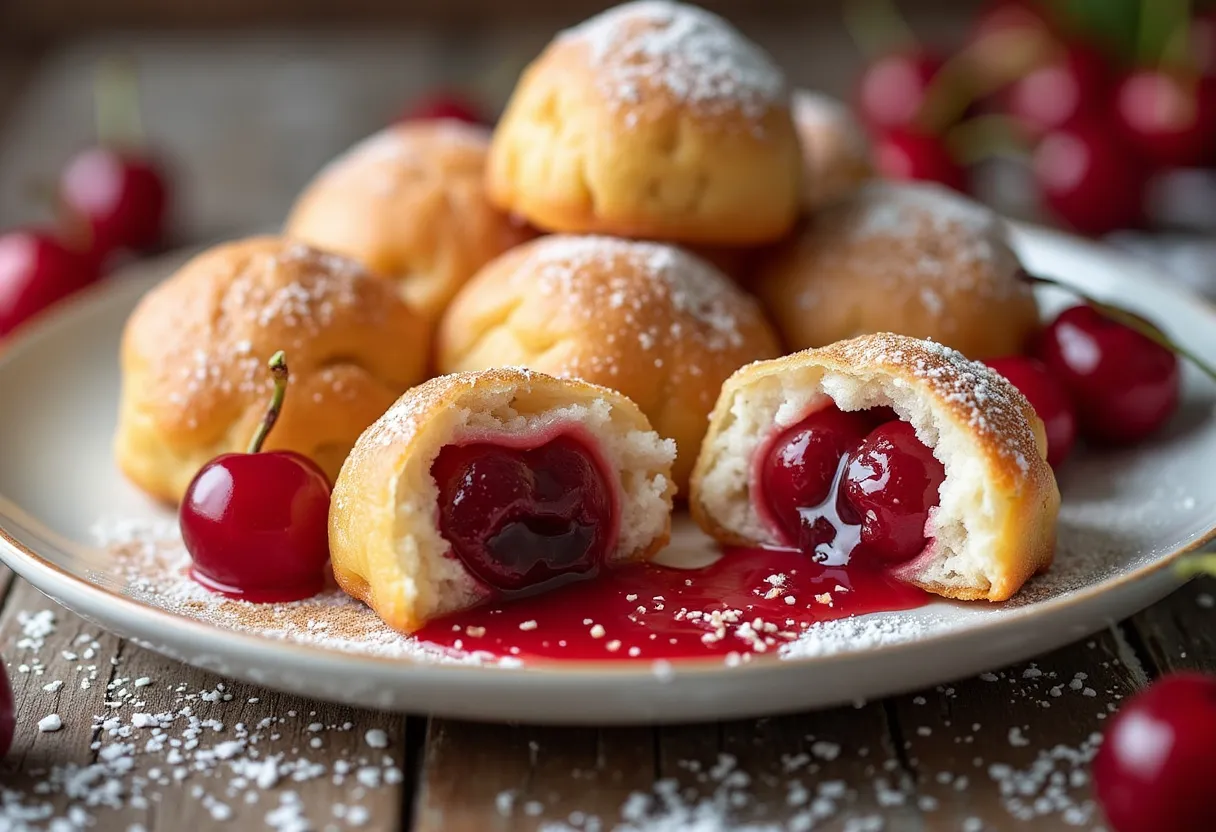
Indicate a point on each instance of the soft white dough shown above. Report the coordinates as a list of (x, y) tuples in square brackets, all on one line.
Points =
[(962, 527)]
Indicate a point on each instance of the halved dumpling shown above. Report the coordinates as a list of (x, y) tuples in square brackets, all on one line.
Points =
[(482, 485), (887, 452)]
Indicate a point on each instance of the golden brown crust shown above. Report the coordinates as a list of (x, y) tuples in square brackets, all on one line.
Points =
[(385, 468), (912, 259), (653, 120), (194, 355), (835, 149), (410, 204), (647, 319), (1005, 435)]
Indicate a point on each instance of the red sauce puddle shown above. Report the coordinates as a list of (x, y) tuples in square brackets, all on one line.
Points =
[(648, 612)]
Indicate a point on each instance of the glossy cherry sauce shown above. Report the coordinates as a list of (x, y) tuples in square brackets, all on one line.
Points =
[(646, 612)]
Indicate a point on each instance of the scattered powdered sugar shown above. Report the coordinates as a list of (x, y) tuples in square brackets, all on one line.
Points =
[(687, 53), (255, 292), (155, 568), (991, 406), (641, 276), (201, 744), (912, 237), (899, 210)]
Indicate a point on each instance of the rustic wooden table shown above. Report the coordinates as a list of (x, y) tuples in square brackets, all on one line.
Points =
[(112, 736)]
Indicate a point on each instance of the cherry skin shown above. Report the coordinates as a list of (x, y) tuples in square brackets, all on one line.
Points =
[(1168, 119), (36, 270), (1048, 398), (257, 526), (444, 105), (1088, 179), (892, 482), (518, 518), (1124, 385), (1060, 91), (893, 88), (802, 462), (904, 154), (8, 713), (117, 199), (1153, 771)]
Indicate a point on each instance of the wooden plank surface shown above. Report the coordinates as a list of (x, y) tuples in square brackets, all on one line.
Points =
[(1003, 751), (145, 740)]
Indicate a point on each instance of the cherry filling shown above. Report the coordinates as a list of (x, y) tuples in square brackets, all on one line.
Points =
[(850, 486), (518, 518)]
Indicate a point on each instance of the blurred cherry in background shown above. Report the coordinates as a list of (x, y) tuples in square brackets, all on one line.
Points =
[(1102, 107), (111, 200)]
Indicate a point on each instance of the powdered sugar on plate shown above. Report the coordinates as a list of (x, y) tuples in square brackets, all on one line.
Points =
[(684, 52), (154, 565)]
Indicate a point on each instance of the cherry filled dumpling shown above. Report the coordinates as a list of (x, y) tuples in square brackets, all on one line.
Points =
[(482, 485), (883, 452)]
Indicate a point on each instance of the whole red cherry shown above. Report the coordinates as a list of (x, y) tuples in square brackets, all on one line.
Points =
[(906, 154), (8, 713), (1073, 83), (117, 200), (893, 88), (36, 270), (1123, 384), (256, 524), (1168, 118), (1088, 179), (444, 104), (1048, 398), (1153, 771)]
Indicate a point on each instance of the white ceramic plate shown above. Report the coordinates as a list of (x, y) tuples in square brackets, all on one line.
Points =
[(1126, 517)]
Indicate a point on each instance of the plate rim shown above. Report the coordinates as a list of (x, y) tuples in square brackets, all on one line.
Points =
[(24, 561)]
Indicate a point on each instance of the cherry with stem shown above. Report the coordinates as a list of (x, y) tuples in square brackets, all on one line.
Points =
[(114, 196), (1128, 319), (256, 524)]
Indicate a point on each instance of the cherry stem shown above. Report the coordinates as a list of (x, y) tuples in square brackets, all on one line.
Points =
[(1204, 564), (1129, 320), (877, 27), (986, 137), (1004, 57), (278, 371), (116, 103), (1161, 21)]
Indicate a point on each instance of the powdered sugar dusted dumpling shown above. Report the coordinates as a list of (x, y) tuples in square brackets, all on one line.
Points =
[(656, 120), (916, 259), (883, 452), (835, 149), (410, 204), (478, 486), (650, 320), (194, 353)]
